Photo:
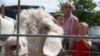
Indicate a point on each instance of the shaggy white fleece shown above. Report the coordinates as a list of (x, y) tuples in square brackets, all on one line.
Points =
[(31, 21)]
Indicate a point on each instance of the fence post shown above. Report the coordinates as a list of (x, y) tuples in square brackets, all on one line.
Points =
[(2, 10)]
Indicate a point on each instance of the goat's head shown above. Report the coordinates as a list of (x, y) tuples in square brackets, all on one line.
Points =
[(35, 21)]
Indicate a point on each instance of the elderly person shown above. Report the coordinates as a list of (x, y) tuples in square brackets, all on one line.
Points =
[(71, 22), (70, 25)]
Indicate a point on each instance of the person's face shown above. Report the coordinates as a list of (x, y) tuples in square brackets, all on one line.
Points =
[(67, 9), (60, 20), (82, 29)]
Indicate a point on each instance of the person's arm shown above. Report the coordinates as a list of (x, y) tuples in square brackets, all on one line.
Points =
[(75, 27), (88, 43)]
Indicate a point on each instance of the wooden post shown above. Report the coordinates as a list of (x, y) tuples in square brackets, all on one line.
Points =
[(2, 10)]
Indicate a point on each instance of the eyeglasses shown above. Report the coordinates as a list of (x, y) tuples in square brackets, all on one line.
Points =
[(68, 7)]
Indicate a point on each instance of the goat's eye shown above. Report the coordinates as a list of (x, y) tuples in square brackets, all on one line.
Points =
[(44, 30), (47, 28)]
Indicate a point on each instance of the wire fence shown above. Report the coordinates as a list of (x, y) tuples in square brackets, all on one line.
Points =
[(59, 36)]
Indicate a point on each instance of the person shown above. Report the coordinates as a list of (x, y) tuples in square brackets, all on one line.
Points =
[(70, 21), (59, 18), (70, 25), (82, 47)]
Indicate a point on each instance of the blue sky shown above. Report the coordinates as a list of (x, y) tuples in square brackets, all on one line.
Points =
[(50, 5)]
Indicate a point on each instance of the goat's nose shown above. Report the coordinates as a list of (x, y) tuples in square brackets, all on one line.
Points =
[(11, 49)]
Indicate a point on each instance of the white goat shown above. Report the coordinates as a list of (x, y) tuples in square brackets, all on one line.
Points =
[(7, 25), (36, 21)]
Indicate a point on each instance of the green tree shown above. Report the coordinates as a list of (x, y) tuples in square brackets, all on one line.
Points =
[(61, 5), (84, 11)]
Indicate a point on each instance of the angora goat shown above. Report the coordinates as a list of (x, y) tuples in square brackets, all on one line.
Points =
[(35, 21)]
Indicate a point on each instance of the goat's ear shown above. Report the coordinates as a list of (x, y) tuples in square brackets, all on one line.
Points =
[(52, 46)]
